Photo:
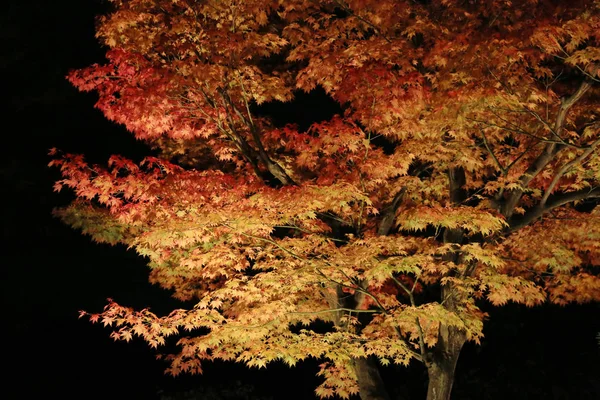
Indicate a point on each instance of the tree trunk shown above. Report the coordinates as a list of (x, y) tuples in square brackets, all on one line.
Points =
[(441, 378), (443, 363), (370, 384), (369, 380)]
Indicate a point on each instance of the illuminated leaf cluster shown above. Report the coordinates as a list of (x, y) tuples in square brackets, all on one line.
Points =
[(469, 130)]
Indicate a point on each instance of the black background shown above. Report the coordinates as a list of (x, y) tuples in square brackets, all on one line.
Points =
[(50, 272)]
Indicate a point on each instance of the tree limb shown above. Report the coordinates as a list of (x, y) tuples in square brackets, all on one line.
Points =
[(422, 347), (347, 8), (242, 145), (457, 180), (553, 202), (564, 169), (389, 214), (547, 155), (567, 103), (487, 146), (273, 167)]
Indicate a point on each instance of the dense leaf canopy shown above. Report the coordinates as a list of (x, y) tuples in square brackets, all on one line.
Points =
[(464, 166)]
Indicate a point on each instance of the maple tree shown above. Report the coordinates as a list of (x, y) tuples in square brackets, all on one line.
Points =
[(464, 168)]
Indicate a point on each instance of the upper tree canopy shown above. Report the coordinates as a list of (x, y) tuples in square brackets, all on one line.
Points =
[(469, 131)]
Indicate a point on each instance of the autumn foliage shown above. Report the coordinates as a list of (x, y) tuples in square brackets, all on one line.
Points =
[(464, 168)]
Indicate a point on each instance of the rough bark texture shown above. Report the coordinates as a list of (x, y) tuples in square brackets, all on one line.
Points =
[(441, 378), (442, 364), (369, 380)]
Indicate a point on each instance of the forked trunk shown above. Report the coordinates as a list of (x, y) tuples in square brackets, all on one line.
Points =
[(443, 363), (369, 380)]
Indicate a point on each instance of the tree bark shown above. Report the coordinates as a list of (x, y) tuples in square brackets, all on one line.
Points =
[(369, 380), (441, 361), (370, 384), (441, 378)]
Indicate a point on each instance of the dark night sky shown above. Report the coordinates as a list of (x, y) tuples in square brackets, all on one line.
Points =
[(49, 272)]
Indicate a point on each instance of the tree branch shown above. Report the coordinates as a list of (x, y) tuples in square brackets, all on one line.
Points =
[(457, 180), (567, 103), (564, 169), (553, 202), (389, 214), (547, 155), (413, 303), (346, 8), (487, 146), (333, 310), (242, 145), (273, 167)]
